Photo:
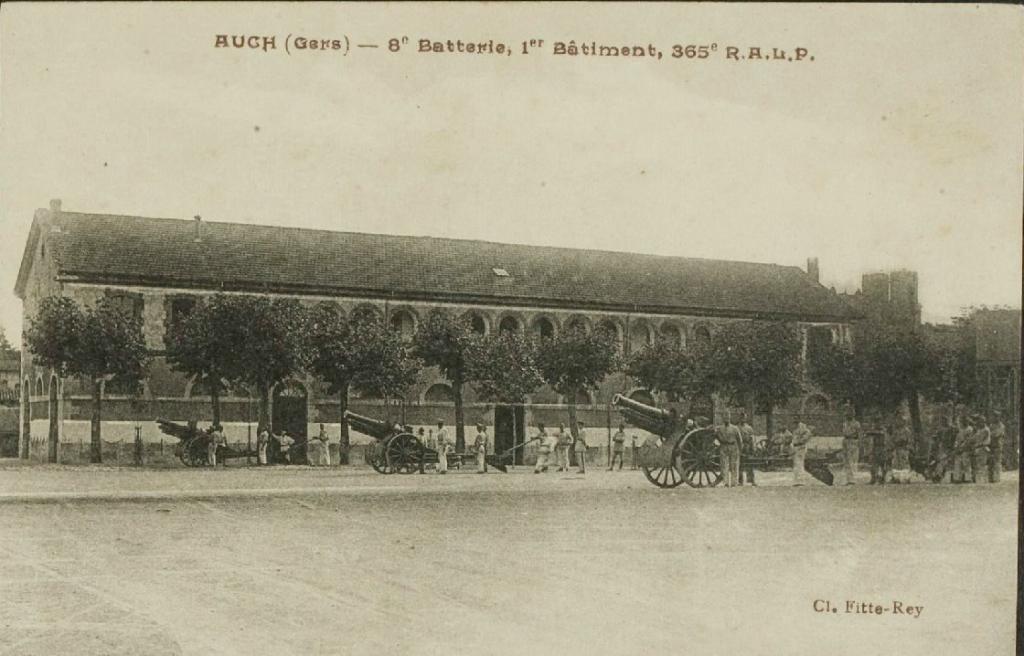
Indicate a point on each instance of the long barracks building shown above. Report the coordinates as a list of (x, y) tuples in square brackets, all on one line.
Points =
[(158, 268)]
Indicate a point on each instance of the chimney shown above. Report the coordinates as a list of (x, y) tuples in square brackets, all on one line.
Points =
[(199, 229), (812, 269), (55, 206)]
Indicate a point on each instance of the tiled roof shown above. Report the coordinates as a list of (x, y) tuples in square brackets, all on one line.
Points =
[(235, 256)]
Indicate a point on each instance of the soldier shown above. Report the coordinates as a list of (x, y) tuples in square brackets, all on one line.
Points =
[(216, 437), (995, 455), (543, 449), (480, 446), (580, 448), (747, 441), (961, 450), (262, 439), (851, 445), (618, 447), (442, 448), (981, 442), (879, 454), (729, 438), (801, 436), (563, 445), (901, 451)]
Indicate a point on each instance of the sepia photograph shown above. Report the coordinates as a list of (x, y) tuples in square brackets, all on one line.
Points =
[(510, 328)]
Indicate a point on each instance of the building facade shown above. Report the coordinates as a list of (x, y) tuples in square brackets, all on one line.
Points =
[(159, 268)]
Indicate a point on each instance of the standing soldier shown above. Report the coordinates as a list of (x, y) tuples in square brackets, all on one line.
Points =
[(979, 454), (747, 441), (851, 445), (480, 445), (562, 447), (729, 438), (632, 452), (801, 436), (961, 450), (543, 450), (995, 455), (216, 437), (879, 454), (262, 439), (580, 448), (442, 448), (901, 451), (618, 447)]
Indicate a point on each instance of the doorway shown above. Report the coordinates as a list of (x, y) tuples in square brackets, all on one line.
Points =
[(290, 414), (505, 437)]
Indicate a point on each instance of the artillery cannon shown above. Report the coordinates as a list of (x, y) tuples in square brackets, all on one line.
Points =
[(397, 450), (677, 455), (680, 456), (193, 443)]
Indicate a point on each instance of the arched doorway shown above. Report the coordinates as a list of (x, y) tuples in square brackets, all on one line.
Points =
[(290, 413)]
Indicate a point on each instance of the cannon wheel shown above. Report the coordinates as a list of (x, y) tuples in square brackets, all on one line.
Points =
[(378, 460), (666, 477), (404, 453), (193, 452), (696, 456)]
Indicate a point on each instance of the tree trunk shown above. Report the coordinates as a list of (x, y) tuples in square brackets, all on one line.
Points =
[(914, 401), (53, 434), (96, 438), (460, 429), (215, 399), (343, 445), (769, 422), (264, 412)]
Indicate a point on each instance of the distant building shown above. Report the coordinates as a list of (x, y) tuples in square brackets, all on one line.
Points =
[(10, 374), (158, 268)]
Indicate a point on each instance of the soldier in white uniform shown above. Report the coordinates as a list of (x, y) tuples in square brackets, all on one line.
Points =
[(729, 438), (543, 449), (995, 456), (851, 446), (580, 447), (801, 436), (562, 447), (442, 448), (480, 446)]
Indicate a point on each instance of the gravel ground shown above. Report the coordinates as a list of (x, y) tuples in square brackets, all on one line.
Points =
[(499, 564)]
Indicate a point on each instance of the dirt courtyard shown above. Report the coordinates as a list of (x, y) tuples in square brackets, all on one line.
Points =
[(513, 564)]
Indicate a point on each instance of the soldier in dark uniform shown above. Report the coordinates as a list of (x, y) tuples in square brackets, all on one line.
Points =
[(747, 451)]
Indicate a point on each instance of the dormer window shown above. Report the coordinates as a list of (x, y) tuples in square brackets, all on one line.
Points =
[(501, 273)]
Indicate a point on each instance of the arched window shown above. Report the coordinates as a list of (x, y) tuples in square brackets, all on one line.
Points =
[(403, 323), (366, 312), (702, 335), (439, 393), (543, 327), (40, 391), (671, 333), (509, 324), (639, 336), (582, 398), (578, 322), (478, 324)]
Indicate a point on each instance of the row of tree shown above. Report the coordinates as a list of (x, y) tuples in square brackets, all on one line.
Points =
[(257, 342)]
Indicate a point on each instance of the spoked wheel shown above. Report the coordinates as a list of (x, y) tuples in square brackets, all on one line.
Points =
[(696, 456), (378, 460), (193, 453), (664, 476), (404, 453)]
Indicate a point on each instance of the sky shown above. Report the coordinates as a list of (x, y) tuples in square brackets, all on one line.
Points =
[(899, 146)]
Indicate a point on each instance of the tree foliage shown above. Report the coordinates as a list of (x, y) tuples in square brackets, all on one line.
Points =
[(7, 350), (503, 368), (442, 340), (382, 363), (755, 361), (883, 367), (98, 343), (575, 360), (53, 334), (665, 366)]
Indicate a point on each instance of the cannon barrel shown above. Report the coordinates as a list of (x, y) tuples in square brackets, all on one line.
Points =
[(376, 428), (651, 419)]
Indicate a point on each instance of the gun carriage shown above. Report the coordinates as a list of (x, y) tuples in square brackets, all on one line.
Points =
[(193, 444), (397, 450)]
